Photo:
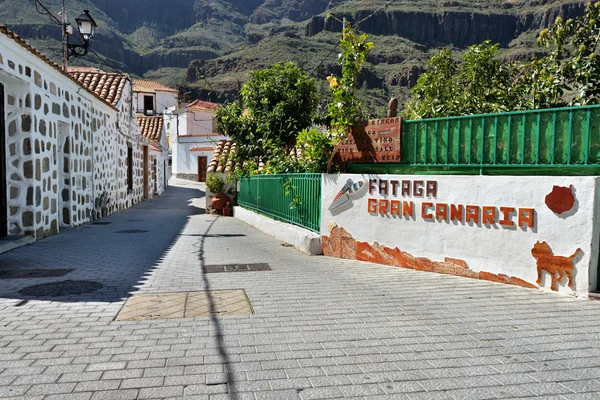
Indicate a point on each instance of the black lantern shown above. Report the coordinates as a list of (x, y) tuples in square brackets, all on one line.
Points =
[(87, 28), (86, 24)]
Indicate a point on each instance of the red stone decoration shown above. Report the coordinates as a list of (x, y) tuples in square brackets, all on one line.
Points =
[(341, 244), (374, 141), (554, 265), (561, 199)]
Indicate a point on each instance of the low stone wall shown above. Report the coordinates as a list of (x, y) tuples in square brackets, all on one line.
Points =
[(527, 231), (302, 239), (187, 177)]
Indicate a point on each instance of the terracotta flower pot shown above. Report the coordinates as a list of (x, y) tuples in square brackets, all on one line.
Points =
[(228, 211), (219, 201)]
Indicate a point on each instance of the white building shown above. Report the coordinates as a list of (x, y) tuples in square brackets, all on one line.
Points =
[(70, 146), (152, 97), (192, 131)]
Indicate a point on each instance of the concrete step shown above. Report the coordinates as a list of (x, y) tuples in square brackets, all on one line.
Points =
[(11, 242)]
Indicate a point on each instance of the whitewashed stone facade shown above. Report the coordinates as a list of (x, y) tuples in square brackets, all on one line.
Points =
[(66, 148)]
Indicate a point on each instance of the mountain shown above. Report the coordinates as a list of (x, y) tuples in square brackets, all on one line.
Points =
[(208, 47)]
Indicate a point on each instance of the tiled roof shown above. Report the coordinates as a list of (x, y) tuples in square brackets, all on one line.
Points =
[(43, 57), (222, 160), (106, 85), (146, 86), (202, 105), (150, 127), (202, 149)]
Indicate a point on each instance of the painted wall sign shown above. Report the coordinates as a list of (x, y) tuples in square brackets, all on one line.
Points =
[(496, 228), (504, 216), (376, 141)]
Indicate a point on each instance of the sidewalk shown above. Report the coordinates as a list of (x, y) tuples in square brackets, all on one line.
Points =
[(321, 328)]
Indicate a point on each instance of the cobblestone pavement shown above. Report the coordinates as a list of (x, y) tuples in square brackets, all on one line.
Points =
[(322, 328)]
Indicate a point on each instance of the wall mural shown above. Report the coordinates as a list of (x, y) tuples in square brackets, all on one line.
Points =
[(554, 265), (341, 244), (395, 200), (561, 199)]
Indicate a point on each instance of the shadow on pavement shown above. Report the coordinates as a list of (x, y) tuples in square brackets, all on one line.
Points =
[(121, 253)]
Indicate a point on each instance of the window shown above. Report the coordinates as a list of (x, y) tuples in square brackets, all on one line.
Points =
[(129, 170), (148, 105)]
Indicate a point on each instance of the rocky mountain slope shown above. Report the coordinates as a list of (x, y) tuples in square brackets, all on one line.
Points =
[(207, 47)]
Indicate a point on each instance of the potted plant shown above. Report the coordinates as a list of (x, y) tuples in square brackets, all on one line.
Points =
[(215, 185), (228, 210)]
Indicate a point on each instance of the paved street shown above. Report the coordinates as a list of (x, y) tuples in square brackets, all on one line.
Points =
[(321, 328)]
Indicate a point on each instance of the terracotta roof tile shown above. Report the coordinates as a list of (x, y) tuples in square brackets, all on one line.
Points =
[(106, 85), (201, 149), (202, 105), (147, 86), (222, 160), (150, 127), (156, 147), (4, 29)]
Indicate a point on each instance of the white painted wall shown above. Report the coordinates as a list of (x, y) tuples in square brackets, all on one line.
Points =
[(161, 100), (492, 248), (198, 122), (186, 161), (165, 100)]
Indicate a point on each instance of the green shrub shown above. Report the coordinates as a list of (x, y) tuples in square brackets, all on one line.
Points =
[(214, 183)]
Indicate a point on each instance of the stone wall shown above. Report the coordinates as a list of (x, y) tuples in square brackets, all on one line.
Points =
[(66, 149)]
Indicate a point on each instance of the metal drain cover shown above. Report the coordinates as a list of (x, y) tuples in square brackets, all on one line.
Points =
[(236, 268), (132, 231), (63, 288), (101, 223), (185, 305), (33, 273)]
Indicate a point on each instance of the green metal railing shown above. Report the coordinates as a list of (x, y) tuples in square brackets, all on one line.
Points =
[(294, 198), (534, 138)]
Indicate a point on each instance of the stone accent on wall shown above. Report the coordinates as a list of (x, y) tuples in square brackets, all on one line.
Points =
[(188, 177), (341, 244), (66, 150)]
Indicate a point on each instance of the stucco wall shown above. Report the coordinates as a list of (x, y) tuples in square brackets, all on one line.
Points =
[(498, 247), (185, 162), (199, 122)]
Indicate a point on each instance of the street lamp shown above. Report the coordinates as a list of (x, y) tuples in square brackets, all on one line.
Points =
[(86, 24), (87, 28)]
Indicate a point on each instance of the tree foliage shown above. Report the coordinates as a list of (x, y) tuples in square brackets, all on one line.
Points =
[(479, 83), (569, 74), (276, 104), (343, 109)]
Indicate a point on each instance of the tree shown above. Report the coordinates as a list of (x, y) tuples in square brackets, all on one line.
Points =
[(434, 94), (573, 64), (480, 83), (568, 75), (276, 104), (343, 109)]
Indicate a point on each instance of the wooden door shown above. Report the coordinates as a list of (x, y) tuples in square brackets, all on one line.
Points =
[(202, 169), (3, 193), (146, 172)]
